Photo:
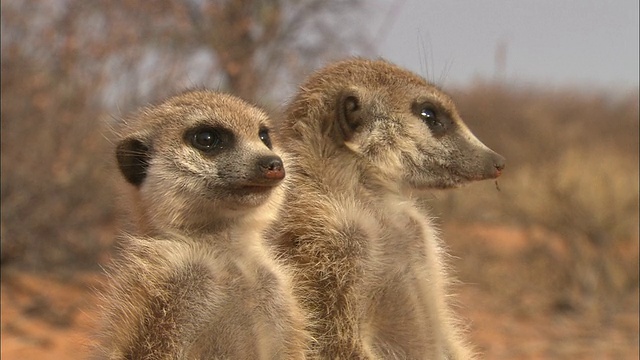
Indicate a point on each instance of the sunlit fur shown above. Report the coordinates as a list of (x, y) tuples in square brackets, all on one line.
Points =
[(369, 265), (195, 281)]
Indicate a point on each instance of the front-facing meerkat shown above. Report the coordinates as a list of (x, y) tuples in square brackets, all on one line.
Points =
[(196, 281), (364, 136)]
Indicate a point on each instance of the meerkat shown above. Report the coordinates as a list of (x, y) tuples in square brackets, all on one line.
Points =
[(196, 281), (364, 137)]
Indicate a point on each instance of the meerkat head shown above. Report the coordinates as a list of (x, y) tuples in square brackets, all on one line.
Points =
[(199, 157), (394, 120)]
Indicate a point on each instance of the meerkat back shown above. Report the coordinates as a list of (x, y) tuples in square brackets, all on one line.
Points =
[(195, 280), (364, 137)]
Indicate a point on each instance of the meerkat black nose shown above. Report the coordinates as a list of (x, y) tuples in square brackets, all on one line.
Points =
[(271, 167), (498, 164)]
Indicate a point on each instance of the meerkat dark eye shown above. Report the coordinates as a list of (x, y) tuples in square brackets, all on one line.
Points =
[(205, 140), (264, 136), (428, 114), (431, 118), (209, 139)]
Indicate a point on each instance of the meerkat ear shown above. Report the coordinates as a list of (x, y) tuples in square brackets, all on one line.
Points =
[(350, 113), (133, 159)]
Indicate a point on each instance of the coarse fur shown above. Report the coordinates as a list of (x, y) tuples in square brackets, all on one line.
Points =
[(364, 137), (196, 281)]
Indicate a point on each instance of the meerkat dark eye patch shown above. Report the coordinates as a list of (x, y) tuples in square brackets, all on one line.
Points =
[(264, 137), (437, 121), (133, 160), (209, 139)]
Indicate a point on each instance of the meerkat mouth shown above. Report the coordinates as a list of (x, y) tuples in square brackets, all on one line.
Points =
[(255, 189)]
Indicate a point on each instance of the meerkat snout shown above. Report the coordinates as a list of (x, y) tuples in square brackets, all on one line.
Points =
[(268, 173), (272, 168), (493, 164), (498, 165)]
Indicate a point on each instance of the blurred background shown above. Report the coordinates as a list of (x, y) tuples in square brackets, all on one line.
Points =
[(547, 256)]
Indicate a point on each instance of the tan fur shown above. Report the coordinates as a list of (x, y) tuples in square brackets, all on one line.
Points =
[(369, 264), (196, 281)]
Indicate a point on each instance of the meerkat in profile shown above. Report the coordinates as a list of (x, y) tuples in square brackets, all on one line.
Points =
[(197, 282), (364, 136)]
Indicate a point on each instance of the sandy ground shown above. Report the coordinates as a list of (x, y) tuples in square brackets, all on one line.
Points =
[(49, 317), (45, 317)]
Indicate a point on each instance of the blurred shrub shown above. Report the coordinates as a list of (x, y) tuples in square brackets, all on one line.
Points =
[(57, 210), (66, 64), (572, 170), (589, 196)]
